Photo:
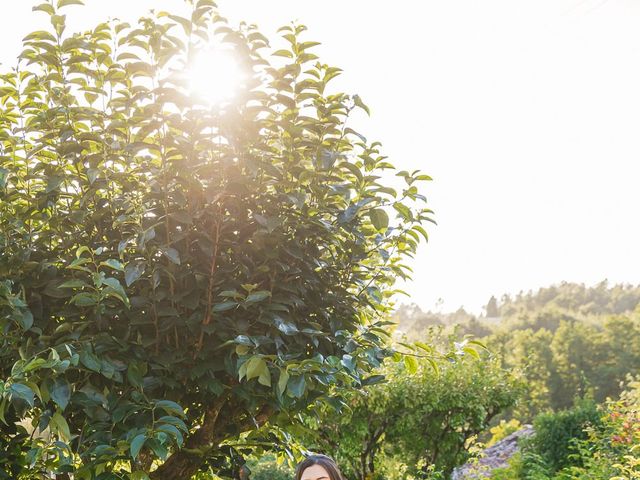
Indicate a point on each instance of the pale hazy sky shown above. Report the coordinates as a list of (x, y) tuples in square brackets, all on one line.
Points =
[(526, 113)]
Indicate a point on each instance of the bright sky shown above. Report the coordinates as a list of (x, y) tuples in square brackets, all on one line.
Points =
[(526, 113)]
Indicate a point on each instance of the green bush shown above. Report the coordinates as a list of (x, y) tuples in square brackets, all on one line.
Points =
[(556, 434), (511, 472), (612, 450)]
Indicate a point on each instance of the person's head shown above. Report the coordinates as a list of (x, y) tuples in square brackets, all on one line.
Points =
[(318, 467)]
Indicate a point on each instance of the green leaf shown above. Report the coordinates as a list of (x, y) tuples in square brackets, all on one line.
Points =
[(175, 421), (404, 211), (75, 283), (282, 381), (53, 183), (359, 103), (287, 328), (60, 392), (296, 386), (411, 363), (170, 407), (224, 306), (84, 299), (348, 362), (373, 379), (472, 351), (258, 296), (135, 372), (24, 318), (136, 445), (64, 3), (420, 229), (255, 367), (172, 254), (172, 431), (59, 23), (424, 347), (158, 448), (205, 3), (61, 426), (244, 340), (478, 343), (115, 289), (78, 263), (132, 272), (265, 378), (434, 366), (18, 390), (379, 218), (242, 349), (305, 45), (34, 364), (182, 217), (283, 53), (113, 263), (89, 360)]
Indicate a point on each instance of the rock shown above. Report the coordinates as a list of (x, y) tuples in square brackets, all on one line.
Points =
[(496, 456)]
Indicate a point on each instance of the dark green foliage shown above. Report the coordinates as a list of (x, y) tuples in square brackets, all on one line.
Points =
[(556, 434), (175, 274)]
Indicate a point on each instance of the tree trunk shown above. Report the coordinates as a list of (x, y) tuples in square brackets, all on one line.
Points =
[(182, 464)]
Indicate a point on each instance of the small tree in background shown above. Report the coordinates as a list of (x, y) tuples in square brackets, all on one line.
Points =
[(174, 275), (419, 420), (492, 308)]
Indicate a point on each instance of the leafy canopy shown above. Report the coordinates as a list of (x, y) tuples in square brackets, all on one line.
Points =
[(173, 274), (422, 419)]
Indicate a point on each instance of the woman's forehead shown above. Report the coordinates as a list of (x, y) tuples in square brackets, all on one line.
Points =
[(315, 472)]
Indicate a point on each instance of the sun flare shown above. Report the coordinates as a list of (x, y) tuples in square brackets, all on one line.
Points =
[(215, 76)]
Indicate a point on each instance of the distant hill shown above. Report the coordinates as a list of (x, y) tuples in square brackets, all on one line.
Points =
[(600, 299), (543, 308)]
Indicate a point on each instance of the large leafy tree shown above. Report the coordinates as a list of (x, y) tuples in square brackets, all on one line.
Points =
[(173, 274)]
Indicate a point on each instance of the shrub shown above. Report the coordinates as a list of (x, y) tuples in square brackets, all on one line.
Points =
[(556, 434), (612, 449)]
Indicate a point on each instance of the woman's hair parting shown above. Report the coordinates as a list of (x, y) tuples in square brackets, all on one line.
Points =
[(324, 461)]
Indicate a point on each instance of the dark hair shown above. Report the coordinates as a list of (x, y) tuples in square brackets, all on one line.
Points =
[(326, 462)]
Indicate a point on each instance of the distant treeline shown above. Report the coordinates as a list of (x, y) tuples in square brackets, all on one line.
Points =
[(568, 341), (577, 298)]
